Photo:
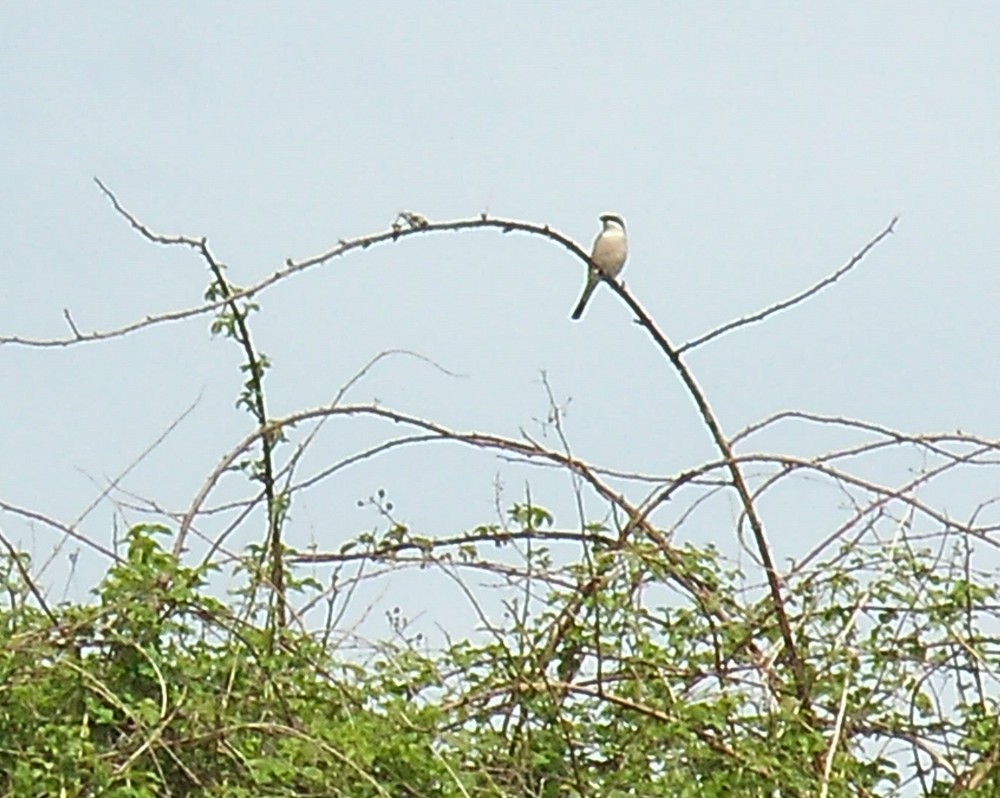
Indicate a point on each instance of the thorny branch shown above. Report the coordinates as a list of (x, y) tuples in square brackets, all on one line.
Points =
[(798, 298), (751, 474), (410, 223)]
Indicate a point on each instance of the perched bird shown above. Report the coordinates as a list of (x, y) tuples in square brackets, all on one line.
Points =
[(607, 258)]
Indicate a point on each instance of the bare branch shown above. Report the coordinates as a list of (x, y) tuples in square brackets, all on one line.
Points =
[(792, 301)]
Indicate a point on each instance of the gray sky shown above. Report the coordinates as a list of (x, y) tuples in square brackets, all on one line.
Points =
[(752, 148)]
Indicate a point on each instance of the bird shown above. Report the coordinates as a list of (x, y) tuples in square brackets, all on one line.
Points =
[(607, 257)]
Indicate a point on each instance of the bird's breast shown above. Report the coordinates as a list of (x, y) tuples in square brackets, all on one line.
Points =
[(610, 251)]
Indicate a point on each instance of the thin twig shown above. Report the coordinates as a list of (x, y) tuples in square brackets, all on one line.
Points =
[(795, 300)]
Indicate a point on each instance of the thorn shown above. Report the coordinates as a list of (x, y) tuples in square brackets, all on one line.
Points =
[(72, 324), (416, 221)]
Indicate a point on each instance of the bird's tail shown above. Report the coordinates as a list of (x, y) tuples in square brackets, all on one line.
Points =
[(592, 281)]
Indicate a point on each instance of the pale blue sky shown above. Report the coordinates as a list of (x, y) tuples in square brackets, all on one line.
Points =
[(752, 148)]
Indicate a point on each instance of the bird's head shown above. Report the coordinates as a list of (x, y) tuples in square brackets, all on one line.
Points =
[(612, 220)]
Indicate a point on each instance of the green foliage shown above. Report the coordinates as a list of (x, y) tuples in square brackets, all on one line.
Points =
[(158, 689)]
